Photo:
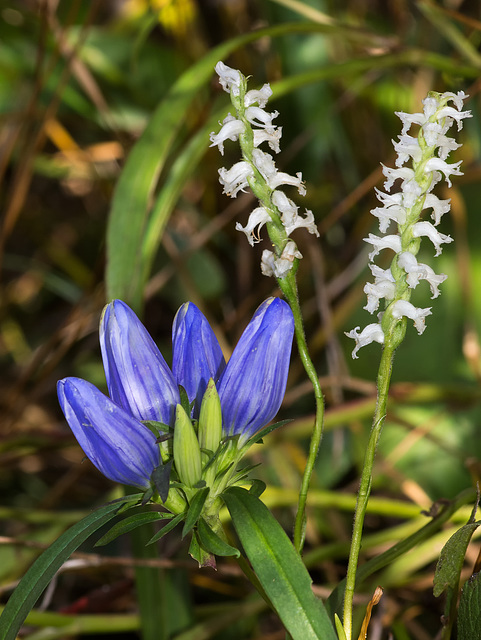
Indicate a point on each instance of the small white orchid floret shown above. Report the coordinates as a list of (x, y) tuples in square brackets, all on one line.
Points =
[(409, 119), (280, 267), (439, 207), (385, 242), (381, 274), (271, 136), (261, 96), (403, 173), (424, 228), (377, 290), (386, 214), (407, 147), (274, 178), (371, 333), (257, 219), (417, 271), (436, 164), (289, 214), (231, 128), (432, 132), (454, 114), (235, 179), (229, 78), (446, 145), (260, 118), (388, 199), (285, 178), (457, 98), (402, 308)]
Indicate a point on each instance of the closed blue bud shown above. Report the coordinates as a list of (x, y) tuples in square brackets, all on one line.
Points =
[(253, 384), (138, 377), (121, 447), (197, 356)]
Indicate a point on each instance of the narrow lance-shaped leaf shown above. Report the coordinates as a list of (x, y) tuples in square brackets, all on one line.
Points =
[(279, 567), (44, 568)]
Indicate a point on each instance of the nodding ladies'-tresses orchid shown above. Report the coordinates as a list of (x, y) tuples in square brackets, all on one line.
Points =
[(156, 417)]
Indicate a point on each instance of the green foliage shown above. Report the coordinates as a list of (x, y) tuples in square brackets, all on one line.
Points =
[(278, 566)]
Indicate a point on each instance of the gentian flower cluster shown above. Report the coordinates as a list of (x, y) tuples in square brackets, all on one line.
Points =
[(427, 153), (253, 126), (129, 435)]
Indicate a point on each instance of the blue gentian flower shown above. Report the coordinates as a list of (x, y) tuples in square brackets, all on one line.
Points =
[(143, 388)]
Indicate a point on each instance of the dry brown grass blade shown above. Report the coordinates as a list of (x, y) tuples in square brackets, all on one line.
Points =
[(367, 618)]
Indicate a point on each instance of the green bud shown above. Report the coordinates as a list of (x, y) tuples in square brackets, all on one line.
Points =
[(187, 458), (210, 419)]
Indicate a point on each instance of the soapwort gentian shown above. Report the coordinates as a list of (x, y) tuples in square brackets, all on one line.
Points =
[(114, 432)]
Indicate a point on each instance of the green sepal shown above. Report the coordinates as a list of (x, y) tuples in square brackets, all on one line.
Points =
[(213, 543), (184, 400), (257, 487), (131, 523), (194, 510), (168, 527), (257, 437), (160, 478), (243, 473), (159, 429)]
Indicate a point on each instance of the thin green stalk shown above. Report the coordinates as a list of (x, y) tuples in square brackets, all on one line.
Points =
[(383, 380), (289, 288)]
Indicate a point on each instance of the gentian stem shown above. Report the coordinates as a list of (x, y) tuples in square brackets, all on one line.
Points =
[(383, 381), (288, 287)]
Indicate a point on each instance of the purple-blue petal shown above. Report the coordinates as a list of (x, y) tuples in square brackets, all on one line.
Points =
[(197, 356), (121, 447), (138, 378), (253, 384)]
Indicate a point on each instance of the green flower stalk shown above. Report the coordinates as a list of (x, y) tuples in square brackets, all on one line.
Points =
[(427, 154), (253, 126)]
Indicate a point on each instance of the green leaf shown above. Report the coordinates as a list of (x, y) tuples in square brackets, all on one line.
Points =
[(44, 568), (168, 527), (279, 567), (469, 612), (451, 560), (130, 523), (212, 542), (195, 509)]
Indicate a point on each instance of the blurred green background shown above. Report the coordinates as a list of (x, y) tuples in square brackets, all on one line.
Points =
[(108, 188)]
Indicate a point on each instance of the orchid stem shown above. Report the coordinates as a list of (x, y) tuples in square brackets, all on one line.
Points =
[(383, 381), (288, 286)]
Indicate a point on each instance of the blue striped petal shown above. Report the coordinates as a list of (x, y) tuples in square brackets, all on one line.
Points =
[(197, 356), (138, 377), (121, 447), (253, 384)]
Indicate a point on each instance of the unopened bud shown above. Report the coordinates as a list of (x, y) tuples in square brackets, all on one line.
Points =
[(210, 419), (186, 449)]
